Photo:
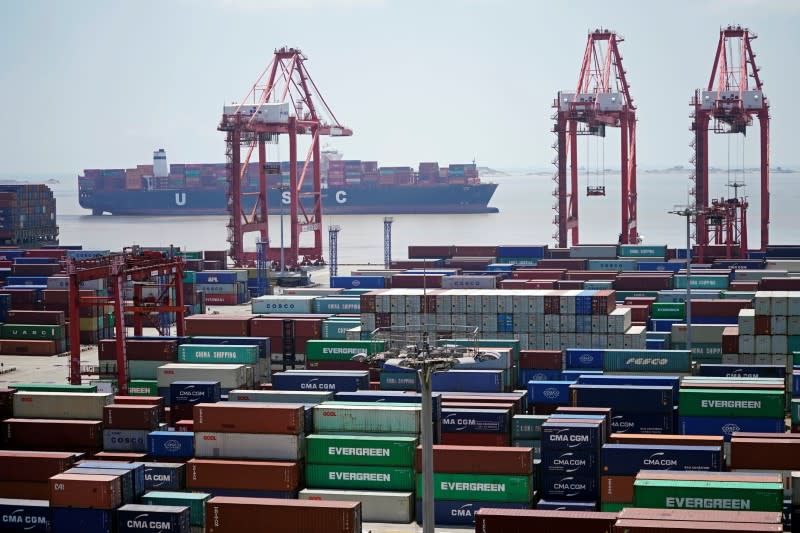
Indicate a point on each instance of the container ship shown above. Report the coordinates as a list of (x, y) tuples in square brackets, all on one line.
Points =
[(348, 187)]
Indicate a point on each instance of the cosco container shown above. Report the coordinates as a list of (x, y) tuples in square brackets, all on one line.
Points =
[(631, 398), (125, 440), (549, 392), (735, 403), (584, 358), (376, 506), (249, 446), (153, 519), (628, 459), (359, 477), (86, 406), (227, 353), (236, 515), (361, 450), (164, 476), (735, 496), (480, 487), (283, 304), (673, 361), (195, 501), (30, 516), (329, 380), (461, 512), (170, 444), (366, 419)]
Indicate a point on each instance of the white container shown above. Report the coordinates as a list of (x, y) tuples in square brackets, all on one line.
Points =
[(229, 376), (790, 265), (747, 344), (778, 325), (762, 303), (275, 396), (309, 291), (779, 359), (730, 359), (780, 303), (747, 359), (763, 359), (61, 405), (249, 446), (747, 322), (282, 304), (469, 282), (619, 320), (793, 325), (763, 344), (392, 507), (793, 304), (780, 344)]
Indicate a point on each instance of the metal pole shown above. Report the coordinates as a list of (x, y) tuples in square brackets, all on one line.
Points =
[(428, 525), (688, 282), (282, 250)]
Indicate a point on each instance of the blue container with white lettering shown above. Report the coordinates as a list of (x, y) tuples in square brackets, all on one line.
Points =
[(79, 520), (263, 343), (578, 358), (191, 392), (556, 486), (465, 420), (632, 398), (628, 459), (461, 513), (584, 417), (205, 278), (399, 381), (153, 519), (537, 374), (568, 436), (581, 463), (663, 381), (164, 476), (125, 440), (574, 375), (742, 371), (126, 479), (321, 381), (392, 397), (704, 425), (358, 282), (138, 471), (549, 392), (566, 505), (29, 516), (648, 423), (171, 444), (468, 381)]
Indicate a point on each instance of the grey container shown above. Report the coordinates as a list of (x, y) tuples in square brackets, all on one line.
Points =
[(249, 446), (61, 405), (392, 507), (142, 369), (229, 376), (279, 396)]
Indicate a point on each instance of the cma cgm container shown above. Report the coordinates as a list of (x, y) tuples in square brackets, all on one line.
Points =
[(151, 518), (30, 516), (164, 476), (321, 380), (628, 459), (235, 515)]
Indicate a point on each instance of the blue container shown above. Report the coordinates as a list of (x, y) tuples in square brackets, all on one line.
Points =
[(655, 344), (192, 392), (567, 436), (517, 251), (321, 381), (357, 282), (468, 381), (10, 255), (756, 254), (663, 325), (262, 343), (632, 398), (461, 513), (566, 505), (465, 420), (646, 266), (204, 278), (35, 261), (584, 358), (126, 479), (399, 381), (536, 374), (29, 516), (170, 444), (153, 519), (581, 463), (628, 459), (703, 425), (742, 371), (77, 520), (559, 486), (27, 280), (138, 471), (649, 423), (739, 264), (391, 397), (500, 267), (661, 381), (575, 375), (164, 476), (549, 392), (125, 440)]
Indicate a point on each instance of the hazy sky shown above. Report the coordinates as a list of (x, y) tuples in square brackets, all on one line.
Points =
[(102, 83)]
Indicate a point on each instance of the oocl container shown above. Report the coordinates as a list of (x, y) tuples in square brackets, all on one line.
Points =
[(87, 406), (274, 396), (376, 506), (735, 496), (361, 450), (249, 446), (366, 419), (234, 515), (153, 518), (249, 417), (230, 376)]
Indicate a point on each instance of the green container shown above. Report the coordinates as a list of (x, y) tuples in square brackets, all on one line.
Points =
[(195, 256), (527, 427), (738, 295), (366, 418), (796, 358), (795, 410), (337, 329), (51, 387), (195, 501), (144, 369), (669, 311), (218, 353), (734, 403), (189, 276), (702, 282), (614, 507), (352, 477), (793, 343), (31, 331), (635, 250), (720, 495), (361, 450), (142, 387), (480, 487), (340, 350)]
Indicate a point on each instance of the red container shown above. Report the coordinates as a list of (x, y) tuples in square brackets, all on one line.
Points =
[(85, 491), (535, 273), (33, 466), (659, 526), (541, 359), (666, 440), (763, 325), (32, 490), (35, 270), (218, 325), (512, 284), (488, 520), (6, 404), (569, 285), (158, 401), (780, 284), (730, 340), (616, 489), (639, 313), (243, 475), (151, 350), (430, 252), (655, 282), (124, 457), (568, 264), (719, 308), (542, 284), (417, 281), (461, 398), (59, 435), (264, 326), (480, 459), (184, 425), (747, 286), (247, 417), (592, 275), (603, 302), (237, 515), (222, 299), (542, 408), (475, 439), (129, 416), (461, 250), (769, 454), (641, 300), (181, 411), (29, 347), (706, 515), (17, 316), (55, 253)]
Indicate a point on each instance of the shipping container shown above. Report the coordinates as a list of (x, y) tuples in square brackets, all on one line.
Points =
[(153, 519), (48, 434), (229, 353), (249, 417), (479, 460), (209, 474), (249, 446), (480, 487), (195, 501), (738, 403), (572, 436), (361, 450), (235, 515), (96, 492), (125, 440), (359, 477), (87, 406), (628, 459), (720, 495), (164, 476), (332, 381), (170, 444), (130, 416), (382, 506), (366, 419), (525, 521), (82, 520), (31, 516), (631, 398)]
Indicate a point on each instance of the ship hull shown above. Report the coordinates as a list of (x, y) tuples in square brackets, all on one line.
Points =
[(430, 199)]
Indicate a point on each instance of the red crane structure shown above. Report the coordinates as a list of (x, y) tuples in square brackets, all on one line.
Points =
[(133, 265), (602, 98), (727, 105), (283, 100)]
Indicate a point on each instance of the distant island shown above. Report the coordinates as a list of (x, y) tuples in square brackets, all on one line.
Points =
[(488, 172), (51, 181)]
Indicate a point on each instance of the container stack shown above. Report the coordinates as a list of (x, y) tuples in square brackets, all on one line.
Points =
[(33, 333), (638, 407), (235, 515), (540, 365), (230, 376), (526, 432), (731, 405), (468, 478), (338, 354), (222, 287), (144, 357), (194, 501), (184, 395), (26, 474), (27, 215), (126, 426), (83, 502)]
